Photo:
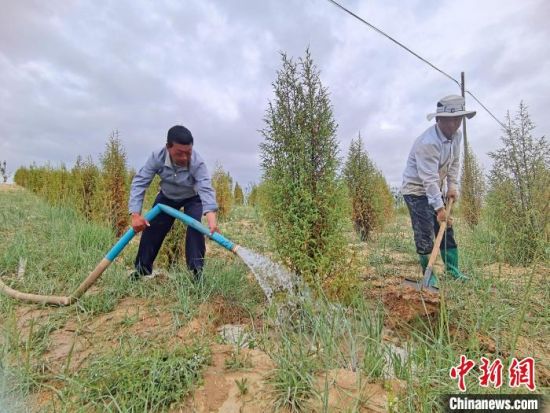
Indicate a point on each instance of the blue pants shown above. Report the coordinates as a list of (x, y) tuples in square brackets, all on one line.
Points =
[(425, 225), (153, 236)]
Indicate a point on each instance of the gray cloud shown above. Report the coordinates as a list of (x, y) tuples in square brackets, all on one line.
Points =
[(71, 72)]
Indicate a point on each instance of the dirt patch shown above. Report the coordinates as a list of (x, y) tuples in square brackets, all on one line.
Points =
[(227, 312), (402, 304), (348, 391), (210, 316), (69, 348), (9, 187), (220, 391), (27, 317)]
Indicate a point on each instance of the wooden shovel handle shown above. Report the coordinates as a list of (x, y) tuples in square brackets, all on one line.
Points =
[(442, 228)]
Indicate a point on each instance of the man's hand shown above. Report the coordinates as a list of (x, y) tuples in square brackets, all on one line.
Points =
[(441, 215), (452, 194), (212, 222), (138, 222)]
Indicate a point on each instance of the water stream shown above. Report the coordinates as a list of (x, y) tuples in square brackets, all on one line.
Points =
[(271, 276)]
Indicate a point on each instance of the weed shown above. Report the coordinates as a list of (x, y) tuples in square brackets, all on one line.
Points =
[(138, 379), (242, 385)]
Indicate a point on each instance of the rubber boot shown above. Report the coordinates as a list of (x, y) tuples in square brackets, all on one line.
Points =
[(450, 258), (424, 259)]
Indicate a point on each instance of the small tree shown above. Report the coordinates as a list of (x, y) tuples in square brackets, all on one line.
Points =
[(85, 179), (4, 171), (473, 188), (371, 198), (519, 190), (223, 184), (114, 174), (305, 205), (238, 194)]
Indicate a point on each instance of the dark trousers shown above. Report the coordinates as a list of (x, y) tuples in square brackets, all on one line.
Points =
[(153, 236), (425, 225)]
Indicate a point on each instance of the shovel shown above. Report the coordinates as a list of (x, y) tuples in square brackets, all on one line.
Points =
[(424, 284)]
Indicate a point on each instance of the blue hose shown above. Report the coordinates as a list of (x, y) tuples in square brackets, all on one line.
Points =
[(186, 219)]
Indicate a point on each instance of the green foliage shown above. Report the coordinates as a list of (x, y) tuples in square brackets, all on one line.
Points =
[(139, 380), (519, 191), (98, 193), (223, 184), (113, 162), (473, 188), (238, 194), (257, 195), (85, 180), (371, 199), (252, 197), (305, 205), (3, 171)]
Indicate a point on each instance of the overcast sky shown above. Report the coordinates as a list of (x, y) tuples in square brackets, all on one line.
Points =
[(73, 71)]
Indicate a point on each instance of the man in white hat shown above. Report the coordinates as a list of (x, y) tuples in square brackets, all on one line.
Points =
[(431, 177)]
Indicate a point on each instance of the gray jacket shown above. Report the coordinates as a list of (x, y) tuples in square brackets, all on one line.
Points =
[(176, 182), (433, 161)]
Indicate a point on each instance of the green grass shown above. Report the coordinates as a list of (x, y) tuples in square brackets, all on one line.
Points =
[(137, 378), (317, 337)]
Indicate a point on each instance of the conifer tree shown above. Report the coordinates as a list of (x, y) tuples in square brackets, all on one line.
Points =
[(238, 194), (370, 195), (115, 196), (518, 202), (305, 204)]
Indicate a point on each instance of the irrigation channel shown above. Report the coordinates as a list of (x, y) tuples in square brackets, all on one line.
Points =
[(271, 276)]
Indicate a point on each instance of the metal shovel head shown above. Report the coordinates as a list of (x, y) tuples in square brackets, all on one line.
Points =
[(424, 284), (417, 285)]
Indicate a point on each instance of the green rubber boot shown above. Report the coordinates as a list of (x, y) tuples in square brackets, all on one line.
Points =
[(450, 258), (424, 259)]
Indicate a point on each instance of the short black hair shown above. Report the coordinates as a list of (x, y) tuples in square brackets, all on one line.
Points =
[(179, 134)]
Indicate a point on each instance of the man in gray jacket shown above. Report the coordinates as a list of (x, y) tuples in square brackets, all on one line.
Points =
[(184, 182), (431, 176)]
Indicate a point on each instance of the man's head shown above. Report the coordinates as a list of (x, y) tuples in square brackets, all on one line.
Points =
[(449, 125), (179, 143), (449, 114)]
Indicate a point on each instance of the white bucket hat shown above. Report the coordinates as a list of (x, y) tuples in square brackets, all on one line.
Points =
[(452, 106)]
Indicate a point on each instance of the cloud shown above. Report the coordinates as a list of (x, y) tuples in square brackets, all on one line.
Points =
[(71, 72)]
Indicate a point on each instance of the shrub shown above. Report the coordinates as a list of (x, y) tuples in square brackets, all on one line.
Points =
[(4, 171), (473, 188), (238, 194), (223, 184), (114, 175), (305, 206), (519, 190), (252, 195), (371, 198)]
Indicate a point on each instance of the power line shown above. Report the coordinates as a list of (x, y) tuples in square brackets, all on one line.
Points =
[(379, 31), (487, 110)]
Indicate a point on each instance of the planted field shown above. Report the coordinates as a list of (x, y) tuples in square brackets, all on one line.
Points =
[(169, 344)]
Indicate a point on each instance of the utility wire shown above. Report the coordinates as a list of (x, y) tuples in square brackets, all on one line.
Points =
[(376, 29)]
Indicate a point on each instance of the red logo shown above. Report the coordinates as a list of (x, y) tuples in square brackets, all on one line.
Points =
[(461, 371), (492, 373), (520, 372)]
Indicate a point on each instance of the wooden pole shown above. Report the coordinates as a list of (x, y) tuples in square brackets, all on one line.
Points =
[(463, 88)]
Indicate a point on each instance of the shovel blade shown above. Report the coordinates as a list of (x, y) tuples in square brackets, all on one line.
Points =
[(426, 280), (420, 285), (417, 285)]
